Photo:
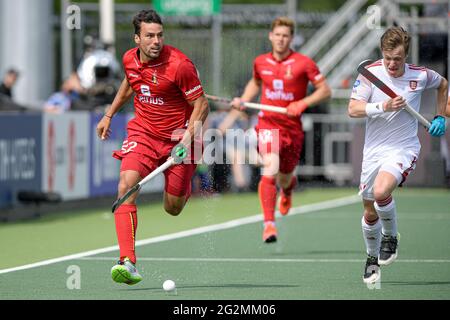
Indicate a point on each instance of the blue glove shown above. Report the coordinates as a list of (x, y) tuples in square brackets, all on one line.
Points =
[(437, 127)]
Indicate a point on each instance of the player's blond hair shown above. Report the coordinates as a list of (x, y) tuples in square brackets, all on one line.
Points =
[(285, 22), (394, 37)]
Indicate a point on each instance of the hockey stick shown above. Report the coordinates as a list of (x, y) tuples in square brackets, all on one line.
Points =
[(249, 105), (383, 87), (178, 154)]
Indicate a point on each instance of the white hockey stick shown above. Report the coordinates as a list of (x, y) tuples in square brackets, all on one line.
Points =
[(249, 105)]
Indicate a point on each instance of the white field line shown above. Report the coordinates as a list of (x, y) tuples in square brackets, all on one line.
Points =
[(221, 226), (173, 259)]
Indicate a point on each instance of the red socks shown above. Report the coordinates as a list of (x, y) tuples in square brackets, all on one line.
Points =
[(126, 225), (267, 192)]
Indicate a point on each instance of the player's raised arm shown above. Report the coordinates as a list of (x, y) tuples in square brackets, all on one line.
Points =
[(250, 92), (123, 95), (361, 109), (358, 106), (321, 93)]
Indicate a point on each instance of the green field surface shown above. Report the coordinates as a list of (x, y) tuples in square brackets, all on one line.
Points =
[(320, 253)]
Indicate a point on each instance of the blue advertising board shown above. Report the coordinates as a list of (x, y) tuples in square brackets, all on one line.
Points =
[(104, 169), (20, 155)]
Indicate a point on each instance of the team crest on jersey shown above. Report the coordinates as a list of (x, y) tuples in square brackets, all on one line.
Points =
[(288, 75), (278, 84), (145, 90), (413, 84), (154, 78)]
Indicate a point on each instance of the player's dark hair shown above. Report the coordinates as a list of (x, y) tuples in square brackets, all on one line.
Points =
[(147, 16), (394, 37), (13, 71)]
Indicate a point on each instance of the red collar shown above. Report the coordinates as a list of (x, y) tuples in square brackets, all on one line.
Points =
[(279, 61), (153, 62)]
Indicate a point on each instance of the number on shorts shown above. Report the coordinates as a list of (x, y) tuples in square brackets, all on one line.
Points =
[(128, 146)]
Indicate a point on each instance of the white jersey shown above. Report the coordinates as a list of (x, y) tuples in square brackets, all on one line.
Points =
[(392, 131)]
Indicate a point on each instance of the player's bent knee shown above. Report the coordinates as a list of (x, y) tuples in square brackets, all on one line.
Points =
[(174, 204), (173, 210), (380, 195)]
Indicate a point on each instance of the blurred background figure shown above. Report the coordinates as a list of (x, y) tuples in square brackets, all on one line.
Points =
[(220, 171), (7, 101), (9, 80), (235, 172), (237, 154), (63, 100), (201, 181), (235, 120), (99, 75)]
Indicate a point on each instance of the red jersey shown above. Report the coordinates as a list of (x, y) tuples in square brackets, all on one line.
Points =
[(163, 88), (283, 82)]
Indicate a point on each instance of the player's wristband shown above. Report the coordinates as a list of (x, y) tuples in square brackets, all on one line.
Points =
[(374, 109), (107, 116)]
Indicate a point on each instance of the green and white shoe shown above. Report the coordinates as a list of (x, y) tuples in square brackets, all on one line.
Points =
[(125, 272)]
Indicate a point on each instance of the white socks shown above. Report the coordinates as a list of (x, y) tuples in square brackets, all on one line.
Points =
[(388, 217), (372, 237)]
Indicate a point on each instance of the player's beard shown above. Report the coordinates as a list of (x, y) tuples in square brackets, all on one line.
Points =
[(152, 53)]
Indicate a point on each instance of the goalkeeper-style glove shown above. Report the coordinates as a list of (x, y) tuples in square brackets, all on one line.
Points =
[(296, 108), (437, 127), (179, 152)]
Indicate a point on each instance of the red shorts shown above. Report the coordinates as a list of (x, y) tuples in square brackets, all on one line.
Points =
[(143, 153), (288, 146)]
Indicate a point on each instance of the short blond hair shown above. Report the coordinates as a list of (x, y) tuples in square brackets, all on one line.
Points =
[(394, 37), (285, 22)]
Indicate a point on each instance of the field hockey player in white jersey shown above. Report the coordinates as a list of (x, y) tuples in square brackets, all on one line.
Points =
[(391, 146)]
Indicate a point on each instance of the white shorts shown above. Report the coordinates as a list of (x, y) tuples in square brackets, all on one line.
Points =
[(400, 165)]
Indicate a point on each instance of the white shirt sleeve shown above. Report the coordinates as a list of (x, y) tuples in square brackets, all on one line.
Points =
[(362, 89), (433, 79)]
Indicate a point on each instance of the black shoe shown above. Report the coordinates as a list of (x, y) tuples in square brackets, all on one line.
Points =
[(388, 250), (371, 271)]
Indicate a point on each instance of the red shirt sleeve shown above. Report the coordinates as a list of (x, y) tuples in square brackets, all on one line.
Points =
[(313, 72), (188, 81), (255, 71)]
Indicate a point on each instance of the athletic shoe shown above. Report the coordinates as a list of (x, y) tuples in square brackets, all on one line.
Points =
[(388, 249), (284, 203), (270, 232), (125, 272), (371, 271)]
